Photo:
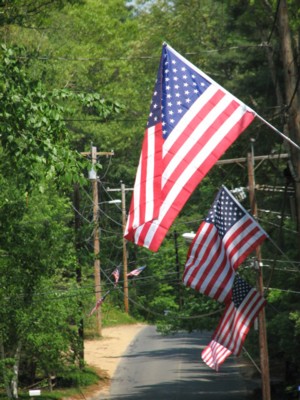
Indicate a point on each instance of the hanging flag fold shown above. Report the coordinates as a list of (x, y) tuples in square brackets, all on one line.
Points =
[(116, 275), (191, 124), (98, 303), (223, 241), (136, 272), (239, 314)]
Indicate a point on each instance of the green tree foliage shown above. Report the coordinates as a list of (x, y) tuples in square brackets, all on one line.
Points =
[(34, 137), (22, 12), (37, 253), (38, 167)]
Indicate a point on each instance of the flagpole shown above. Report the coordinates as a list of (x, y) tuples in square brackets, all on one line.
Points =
[(264, 357), (278, 131)]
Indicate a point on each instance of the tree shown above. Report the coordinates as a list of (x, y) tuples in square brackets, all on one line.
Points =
[(37, 169), (20, 12)]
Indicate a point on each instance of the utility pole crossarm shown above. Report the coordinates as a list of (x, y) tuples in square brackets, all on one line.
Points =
[(255, 158), (98, 153)]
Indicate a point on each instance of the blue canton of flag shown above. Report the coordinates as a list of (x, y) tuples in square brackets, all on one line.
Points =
[(225, 212), (239, 291), (181, 87)]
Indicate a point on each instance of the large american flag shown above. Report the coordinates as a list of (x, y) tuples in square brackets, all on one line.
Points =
[(223, 241), (235, 323), (192, 122)]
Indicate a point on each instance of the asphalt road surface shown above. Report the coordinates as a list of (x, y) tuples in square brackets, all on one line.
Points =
[(160, 367)]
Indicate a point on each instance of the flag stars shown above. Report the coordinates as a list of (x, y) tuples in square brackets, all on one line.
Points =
[(175, 81)]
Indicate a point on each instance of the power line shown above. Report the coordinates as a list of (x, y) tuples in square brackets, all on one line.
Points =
[(137, 58)]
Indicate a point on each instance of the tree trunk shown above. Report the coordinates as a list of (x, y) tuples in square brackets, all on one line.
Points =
[(15, 379), (289, 60), (6, 383)]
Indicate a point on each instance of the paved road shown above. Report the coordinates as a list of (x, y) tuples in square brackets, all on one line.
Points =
[(170, 368)]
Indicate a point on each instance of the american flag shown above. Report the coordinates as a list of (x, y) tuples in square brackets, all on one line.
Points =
[(223, 241), (98, 303), (136, 272), (235, 323), (192, 122), (116, 275)]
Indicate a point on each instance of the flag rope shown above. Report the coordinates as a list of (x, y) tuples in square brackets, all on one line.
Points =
[(282, 252), (251, 359)]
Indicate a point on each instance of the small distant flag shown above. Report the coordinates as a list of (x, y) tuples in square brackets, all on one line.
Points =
[(116, 274), (234, 325), (98, 304), (136, 272)]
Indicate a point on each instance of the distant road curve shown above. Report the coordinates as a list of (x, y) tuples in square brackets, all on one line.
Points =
[(169, 367)]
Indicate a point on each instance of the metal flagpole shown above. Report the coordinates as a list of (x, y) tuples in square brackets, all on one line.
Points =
[(277, 131)]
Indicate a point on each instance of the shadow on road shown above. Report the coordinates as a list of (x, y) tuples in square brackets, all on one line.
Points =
[(194, 380)]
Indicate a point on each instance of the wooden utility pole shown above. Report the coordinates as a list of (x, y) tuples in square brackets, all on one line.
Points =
[(264, 356), (263, 342), (126, 305), (78, 245), (97, 273), (177, 268), (125, 256), (96, 241)]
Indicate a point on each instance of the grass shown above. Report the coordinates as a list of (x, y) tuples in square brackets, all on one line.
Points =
[(74, 380), (110, 316)]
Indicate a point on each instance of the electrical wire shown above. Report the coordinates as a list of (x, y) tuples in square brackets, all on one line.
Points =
[(137, 58), (274, 22)]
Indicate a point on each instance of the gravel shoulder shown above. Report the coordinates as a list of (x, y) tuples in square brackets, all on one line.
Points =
[(104, 355)]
